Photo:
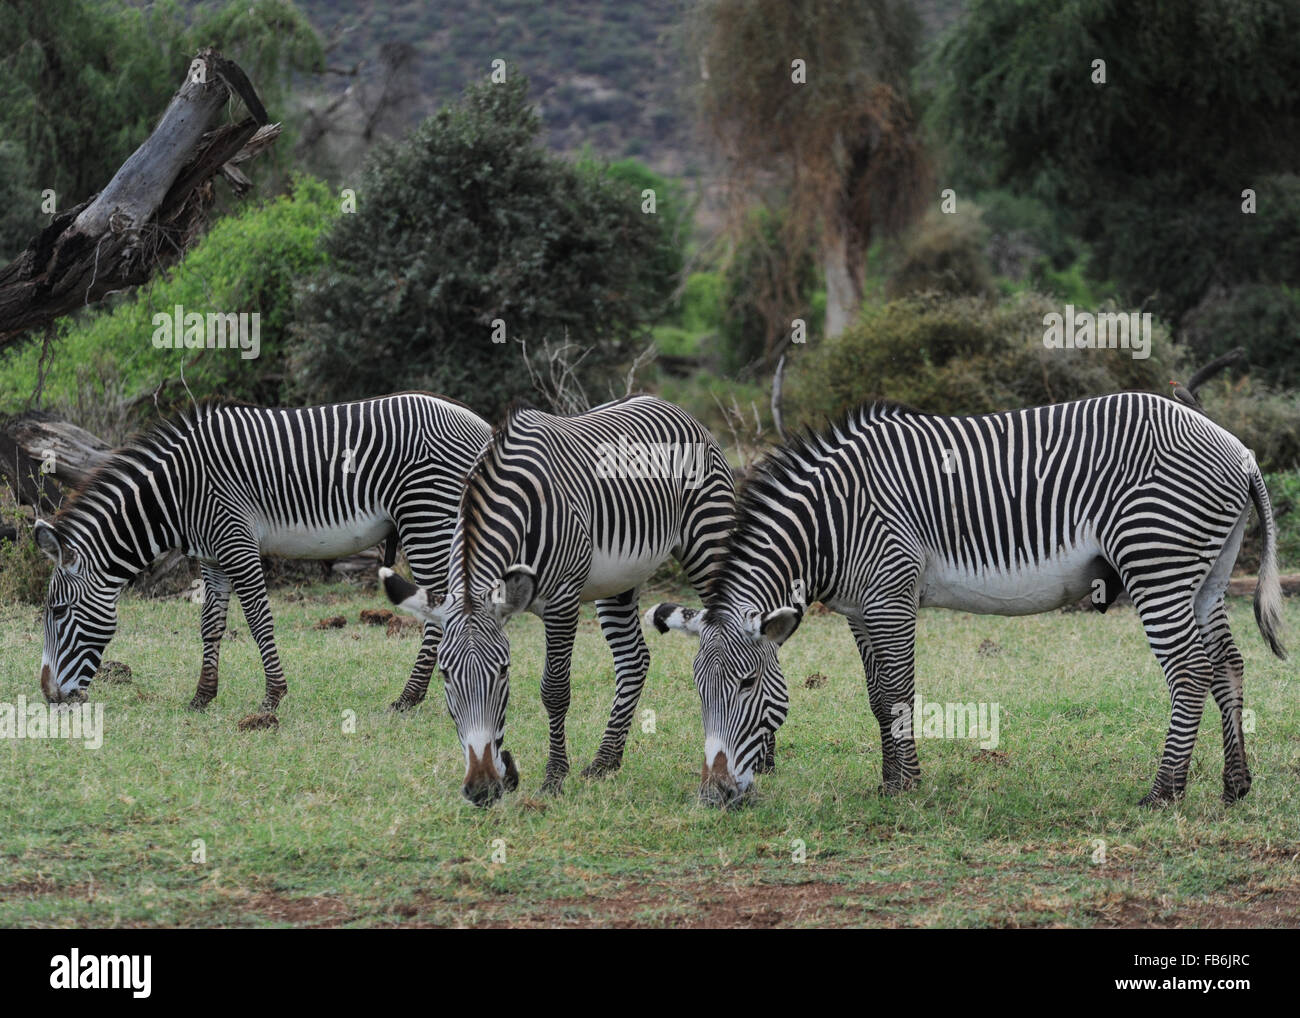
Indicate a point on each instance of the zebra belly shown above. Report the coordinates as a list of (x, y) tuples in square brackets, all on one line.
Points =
[(347, 537), (612, 573), (1036, 587)]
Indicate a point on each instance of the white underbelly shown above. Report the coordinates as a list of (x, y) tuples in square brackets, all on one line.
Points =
[(612, 573), (345, 538), (1037, 587)]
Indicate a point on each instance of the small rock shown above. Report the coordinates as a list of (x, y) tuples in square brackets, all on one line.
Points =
[(989, 649), (815, 681)]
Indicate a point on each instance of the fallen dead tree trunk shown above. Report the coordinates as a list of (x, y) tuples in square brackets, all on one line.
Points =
[(148, 213), (65, 452)]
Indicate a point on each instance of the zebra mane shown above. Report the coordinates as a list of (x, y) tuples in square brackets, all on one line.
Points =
[(474, 481), (153, 439), (798, 458)]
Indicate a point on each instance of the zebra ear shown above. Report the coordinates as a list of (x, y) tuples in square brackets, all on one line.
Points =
[(410, 598), (776, 626), (49, 541), (673, 616), (515, 592)]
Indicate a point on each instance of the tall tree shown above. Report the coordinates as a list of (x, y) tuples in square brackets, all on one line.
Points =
[(1143, 124), (470, 246), (807, 102)]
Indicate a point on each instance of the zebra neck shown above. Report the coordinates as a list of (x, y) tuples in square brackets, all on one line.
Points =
[(130, 512), (770, 577)]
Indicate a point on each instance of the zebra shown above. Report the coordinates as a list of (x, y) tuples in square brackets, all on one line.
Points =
[(227, 483), (1009, 513), (559, 511)]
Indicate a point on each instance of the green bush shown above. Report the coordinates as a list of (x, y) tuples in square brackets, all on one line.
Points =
[(24, 569), (963, 356), (943, 254), (701, 308), (467, 221), (1262, 318), (765, 286)]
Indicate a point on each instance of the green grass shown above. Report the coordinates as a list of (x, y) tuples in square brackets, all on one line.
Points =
[(310, 824)]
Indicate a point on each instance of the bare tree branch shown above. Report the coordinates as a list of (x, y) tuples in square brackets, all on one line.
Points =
[(147, 214)]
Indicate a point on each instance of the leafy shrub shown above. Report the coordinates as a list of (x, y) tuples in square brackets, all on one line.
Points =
[(943, 254), (701, 306), (963, 356), (765, 285), (467, 221), (24, 570), (1262, 318)]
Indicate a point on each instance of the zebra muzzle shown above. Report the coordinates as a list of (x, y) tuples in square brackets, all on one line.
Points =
[(483, 786), (717, 786), (49, 688)]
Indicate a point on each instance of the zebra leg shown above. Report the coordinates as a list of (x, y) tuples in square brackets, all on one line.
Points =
[(620, 621), (889, 769), (213, 612), (1226, 687), (250, 587), (561, 622), (1176, 641), (417, 686), (426, 537), (889, 661)]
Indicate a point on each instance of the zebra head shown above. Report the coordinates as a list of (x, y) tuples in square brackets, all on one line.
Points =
[(742, 691), (80, 618), (474, 658)]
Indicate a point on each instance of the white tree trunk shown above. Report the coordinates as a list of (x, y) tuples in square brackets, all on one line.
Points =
[(842, 293)]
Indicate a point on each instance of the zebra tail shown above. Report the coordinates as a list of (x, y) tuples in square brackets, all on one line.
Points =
[(1268, 591)]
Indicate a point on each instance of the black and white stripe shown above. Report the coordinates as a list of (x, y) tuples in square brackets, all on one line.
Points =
[(228, 483), (1008, 513), (545, 525)]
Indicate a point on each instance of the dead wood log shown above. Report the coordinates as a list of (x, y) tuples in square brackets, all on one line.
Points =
[(1202, 376), (148, 213), (66, 452)]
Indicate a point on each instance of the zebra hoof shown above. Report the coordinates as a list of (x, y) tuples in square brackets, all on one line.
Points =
[(553, 785), (403, 705), (511, 780), (1233, 791), (599, 768), (199, 704), (1158, 798)]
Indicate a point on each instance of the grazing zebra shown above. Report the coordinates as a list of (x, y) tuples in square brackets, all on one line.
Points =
[(228, 483), (1005, 514), (558, 511)]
